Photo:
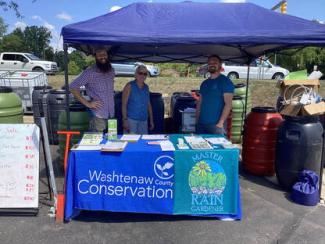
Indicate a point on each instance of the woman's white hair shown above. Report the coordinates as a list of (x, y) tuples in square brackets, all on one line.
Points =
[(141, 67)]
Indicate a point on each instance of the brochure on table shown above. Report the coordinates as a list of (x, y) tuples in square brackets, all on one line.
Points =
[(130, 137), (197, 143), (114, 146), (90, 141), (155, 137)]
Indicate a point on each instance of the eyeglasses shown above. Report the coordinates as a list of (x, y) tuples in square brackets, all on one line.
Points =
[(143, 73)]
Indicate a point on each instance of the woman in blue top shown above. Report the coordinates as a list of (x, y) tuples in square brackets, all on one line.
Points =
[(136, 107)]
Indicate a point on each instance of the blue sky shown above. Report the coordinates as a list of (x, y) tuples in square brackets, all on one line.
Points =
[(54, 14)]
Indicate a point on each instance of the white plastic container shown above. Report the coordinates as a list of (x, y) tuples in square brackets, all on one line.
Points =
[(23, 84), (188, 120)]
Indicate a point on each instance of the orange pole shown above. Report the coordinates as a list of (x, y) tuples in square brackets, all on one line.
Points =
[(61, 197)]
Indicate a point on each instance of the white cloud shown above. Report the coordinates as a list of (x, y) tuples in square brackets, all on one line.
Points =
[(149, 1), (48, 26), (64, 16), (233, 1), (114, 8), (36, 17), (21, 25)]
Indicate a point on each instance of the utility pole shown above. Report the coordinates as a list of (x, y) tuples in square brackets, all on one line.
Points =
[(283, 9)]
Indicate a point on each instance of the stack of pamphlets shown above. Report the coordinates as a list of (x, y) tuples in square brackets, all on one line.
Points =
[(197, 143), (130, 138), (114, 146), (90, 141), (155, 137), (223, 142), (218, 140)]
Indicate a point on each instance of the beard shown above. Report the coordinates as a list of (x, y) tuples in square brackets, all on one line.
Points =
[(212, 69), (104, 67)]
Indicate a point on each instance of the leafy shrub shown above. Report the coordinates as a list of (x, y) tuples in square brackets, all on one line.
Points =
[(73, 68)]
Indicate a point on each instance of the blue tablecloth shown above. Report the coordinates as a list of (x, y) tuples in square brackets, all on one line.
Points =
[(140, 179)]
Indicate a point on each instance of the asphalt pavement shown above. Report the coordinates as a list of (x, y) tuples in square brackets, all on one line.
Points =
[(268, 217)]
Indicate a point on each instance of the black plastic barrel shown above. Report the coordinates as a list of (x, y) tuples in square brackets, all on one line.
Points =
[(118, 111), (56, 101), (179, 102), (79, 121), (39, 101), (299, 146), (158, 112), (322, 121)]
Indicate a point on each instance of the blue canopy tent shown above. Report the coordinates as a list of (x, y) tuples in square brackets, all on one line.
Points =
[(190, 32)]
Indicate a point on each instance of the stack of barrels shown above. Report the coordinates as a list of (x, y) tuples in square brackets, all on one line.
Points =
[(259, 140), (51, 104), (238, 110)]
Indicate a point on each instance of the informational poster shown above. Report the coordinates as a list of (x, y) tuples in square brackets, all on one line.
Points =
[(19, 165)]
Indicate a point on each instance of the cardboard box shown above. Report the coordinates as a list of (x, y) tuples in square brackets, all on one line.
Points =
[(291, 109), (299, 109), (314, 109), (287, 87)]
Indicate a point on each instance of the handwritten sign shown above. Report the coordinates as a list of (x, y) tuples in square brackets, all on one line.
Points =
[(19, 165)]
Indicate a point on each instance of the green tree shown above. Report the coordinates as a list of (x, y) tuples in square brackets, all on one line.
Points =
[(298, 59), (78, 58), (73, 68), (37, 40), (49, 54), (6, 5), (11, 5), (18, 32), (12, 43), (3, 28), (59, 59), (90, 60)]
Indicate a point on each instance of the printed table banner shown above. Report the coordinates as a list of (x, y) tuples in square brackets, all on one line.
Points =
[(143, 179), (131, 181), (206, 182)]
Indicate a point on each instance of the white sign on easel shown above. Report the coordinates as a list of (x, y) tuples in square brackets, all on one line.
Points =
[(19, 165)]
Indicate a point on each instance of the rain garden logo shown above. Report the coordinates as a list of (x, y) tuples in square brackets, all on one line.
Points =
[(207, 181)]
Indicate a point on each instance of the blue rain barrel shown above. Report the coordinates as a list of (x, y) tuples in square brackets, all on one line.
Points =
[(299, 146)]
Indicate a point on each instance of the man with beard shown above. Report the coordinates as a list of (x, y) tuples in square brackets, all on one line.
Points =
[(215, 101), (99, 83)]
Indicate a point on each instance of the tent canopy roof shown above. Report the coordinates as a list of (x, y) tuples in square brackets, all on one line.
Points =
[(189, 32)]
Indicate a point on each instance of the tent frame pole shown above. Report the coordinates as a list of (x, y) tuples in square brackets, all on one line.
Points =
[(66, 82), (247, 87)]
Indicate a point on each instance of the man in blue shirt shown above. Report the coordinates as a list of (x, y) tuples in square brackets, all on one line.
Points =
[(215, 101)]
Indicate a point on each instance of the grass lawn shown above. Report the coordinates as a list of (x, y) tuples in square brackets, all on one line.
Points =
[(264, 92)]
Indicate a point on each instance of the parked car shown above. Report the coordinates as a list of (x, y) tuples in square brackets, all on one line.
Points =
[(128, 69), (259, 69), (16, 61)]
